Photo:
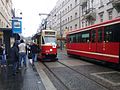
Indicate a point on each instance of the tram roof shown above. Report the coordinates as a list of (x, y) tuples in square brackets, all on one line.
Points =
[(109, 22)]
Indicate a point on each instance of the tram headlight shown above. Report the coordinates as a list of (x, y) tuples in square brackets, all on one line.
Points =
[(51, 50)]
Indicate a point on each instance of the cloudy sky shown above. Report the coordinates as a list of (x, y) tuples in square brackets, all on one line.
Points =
[(30, 10)]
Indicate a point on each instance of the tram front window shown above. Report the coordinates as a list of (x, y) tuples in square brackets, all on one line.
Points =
[(50, 39)]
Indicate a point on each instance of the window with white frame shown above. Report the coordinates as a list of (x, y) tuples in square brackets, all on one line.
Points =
[(68, 19), (75, 2), (84, 9), (68, 8), (110, 14), (86, 23), (75, 26), (83, 23), (71, 18), (70, 27), (76, 15), (101, 16)]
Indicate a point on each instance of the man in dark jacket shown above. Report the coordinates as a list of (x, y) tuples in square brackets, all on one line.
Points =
[(14, 56), (34, 49)]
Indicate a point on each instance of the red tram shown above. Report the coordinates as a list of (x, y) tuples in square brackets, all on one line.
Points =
[(99, 41), (46, 39)]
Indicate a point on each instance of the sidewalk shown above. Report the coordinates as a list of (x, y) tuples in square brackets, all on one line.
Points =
[(26, 79)]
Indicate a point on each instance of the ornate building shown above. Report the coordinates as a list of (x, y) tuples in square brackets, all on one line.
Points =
[(70, 15), (5, 15), (74, 14)]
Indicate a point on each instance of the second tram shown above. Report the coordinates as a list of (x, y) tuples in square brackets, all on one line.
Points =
[(100, 41), (46, 40)]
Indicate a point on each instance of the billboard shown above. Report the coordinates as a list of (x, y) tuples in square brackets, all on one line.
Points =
[(17, 25)]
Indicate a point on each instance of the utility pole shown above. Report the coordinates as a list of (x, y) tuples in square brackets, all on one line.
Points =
[(60, 33), (45, 19)]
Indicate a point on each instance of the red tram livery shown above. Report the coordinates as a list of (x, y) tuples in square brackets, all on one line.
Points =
[(46, 40), (99, 41)]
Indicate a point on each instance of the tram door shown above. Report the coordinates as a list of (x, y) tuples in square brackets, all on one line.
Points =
[(100, 42), (92, 44), (96, 44)]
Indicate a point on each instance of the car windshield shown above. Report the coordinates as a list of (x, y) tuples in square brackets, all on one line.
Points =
[(51, 39)]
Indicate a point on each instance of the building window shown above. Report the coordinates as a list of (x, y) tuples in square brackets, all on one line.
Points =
[(70, 27), (75, 2), (68, 19), (110, 16), (66, 10), (70, 6), (76, 15), (101, 3), (83, 23), (71, 18), (86, 23), (75, 26), (101, 17), (84, 9)]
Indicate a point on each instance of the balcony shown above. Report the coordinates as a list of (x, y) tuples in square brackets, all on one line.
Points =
[(116, 4), (90, 14)]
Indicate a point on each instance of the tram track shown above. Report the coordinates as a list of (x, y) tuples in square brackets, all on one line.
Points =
[(67, 88), (83, 75)]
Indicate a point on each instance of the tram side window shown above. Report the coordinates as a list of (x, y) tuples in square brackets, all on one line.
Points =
[(108, 33), (68, 39), (43, 42), (74, 38), (99, 35), (112, 33), (116, 29), (79, 37), (93, 35), (85, 36)]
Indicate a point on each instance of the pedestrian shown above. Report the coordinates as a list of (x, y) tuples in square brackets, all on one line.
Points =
[(37, 51), (34, 50), (3, 55), (14, 56), (22, 53)]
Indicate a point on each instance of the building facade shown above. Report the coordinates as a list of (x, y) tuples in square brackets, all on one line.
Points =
[(5, 16), (70, 15), (5, 13)]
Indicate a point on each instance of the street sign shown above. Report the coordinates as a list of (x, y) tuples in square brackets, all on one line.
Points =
[(17, 25)]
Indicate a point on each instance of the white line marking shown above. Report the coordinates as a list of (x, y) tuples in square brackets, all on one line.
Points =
[(108, 55), (106, 80)]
